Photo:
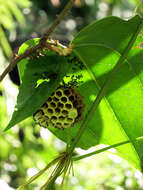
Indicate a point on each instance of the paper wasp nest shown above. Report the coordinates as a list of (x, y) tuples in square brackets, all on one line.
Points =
[(62, 109)]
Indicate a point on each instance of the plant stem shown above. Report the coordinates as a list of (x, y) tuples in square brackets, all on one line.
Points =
[(57, 21), (53, 177), (42, 42), (33, 178), (102, 91), (106, 148), (61, 167)]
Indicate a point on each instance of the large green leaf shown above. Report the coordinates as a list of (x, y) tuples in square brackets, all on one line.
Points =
[(99, 46), (33, 72), (119, 116), (124, 99)]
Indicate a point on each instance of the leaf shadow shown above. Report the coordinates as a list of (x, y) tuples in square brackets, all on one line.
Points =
[(128, 70)]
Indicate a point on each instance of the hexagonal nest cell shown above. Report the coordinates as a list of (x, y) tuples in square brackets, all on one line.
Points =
[(61, 110)]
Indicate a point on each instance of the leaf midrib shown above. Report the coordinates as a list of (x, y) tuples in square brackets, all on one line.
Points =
[(99, 87)]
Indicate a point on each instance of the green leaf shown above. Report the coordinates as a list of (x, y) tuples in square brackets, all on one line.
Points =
[(6, 17), (22, 49), (8, 10), (23, 4), (16, 12), (119, 116), (31, 96), (4, 43)]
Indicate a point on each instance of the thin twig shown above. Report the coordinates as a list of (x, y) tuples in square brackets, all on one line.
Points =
[(53, 176), (42, 43), (57, 21), (14, 61), (33, 178)]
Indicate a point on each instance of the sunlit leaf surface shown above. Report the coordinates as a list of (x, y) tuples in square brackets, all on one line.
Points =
[(119, 115)]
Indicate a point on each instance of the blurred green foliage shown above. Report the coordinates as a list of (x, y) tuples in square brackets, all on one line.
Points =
[(27, 148), (10, 14)]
